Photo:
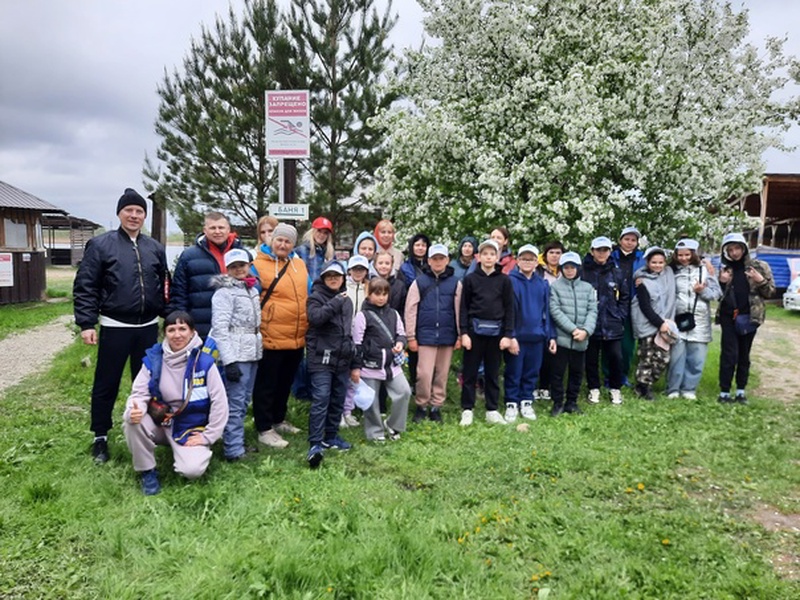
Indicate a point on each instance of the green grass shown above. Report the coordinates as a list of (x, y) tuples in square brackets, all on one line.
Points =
[(646, 500), (16, 318)]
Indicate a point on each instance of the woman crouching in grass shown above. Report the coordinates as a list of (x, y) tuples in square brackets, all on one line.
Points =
[(188, 407)]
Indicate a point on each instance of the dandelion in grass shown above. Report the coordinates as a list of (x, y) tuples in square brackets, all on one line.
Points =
[(628, 490), (640, 486), (534, 577), (665, 542), (488, 562), (478, 529)]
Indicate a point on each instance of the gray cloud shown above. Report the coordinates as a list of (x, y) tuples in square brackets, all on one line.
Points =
[(78, 95)]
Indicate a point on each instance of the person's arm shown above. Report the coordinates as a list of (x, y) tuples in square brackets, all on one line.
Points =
[(179, 293), (646, 307), (86, 291), (320, 312), (457, 302), (590, 324), (400, 332), (136, 405), (218, 413), (221, 314), (766, 287), (509, 312), (412, 304)]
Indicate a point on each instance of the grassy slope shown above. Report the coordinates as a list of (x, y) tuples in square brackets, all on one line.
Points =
[(640, 501)]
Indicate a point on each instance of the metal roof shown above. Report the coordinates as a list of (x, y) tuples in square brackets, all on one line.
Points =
[(11, 197)]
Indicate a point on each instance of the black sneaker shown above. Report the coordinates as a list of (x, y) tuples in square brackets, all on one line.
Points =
[(419, 414), (644, 392), (723, 399), (741, 399), (556, 410), (573, 409), (100, 451), (435, 415), (315, 455)]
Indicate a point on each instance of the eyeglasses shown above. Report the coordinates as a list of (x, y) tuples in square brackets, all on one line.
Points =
[(526, 260)]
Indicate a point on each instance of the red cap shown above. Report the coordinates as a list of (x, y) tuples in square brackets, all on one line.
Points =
[(322, 223)]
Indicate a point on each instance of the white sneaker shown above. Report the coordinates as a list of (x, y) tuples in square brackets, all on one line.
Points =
[(495, 418), (350, 420), (594, 396), (512, 412), (286, 427), (544, 394), (616, 397), (466, 418), (673, 395), (689, 395), (272, 438), (526, 409)]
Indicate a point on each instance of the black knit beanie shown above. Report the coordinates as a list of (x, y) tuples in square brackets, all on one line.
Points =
[(131, 196)]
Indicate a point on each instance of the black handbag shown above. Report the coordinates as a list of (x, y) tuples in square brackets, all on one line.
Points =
[(685, 321)]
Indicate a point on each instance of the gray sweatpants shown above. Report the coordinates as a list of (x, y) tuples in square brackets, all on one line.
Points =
[(399, 391), (189, 461)]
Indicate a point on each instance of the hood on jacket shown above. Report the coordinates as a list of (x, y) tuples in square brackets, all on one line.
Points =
[(224, 281), (363, 236), (472, 240), (413, 240)]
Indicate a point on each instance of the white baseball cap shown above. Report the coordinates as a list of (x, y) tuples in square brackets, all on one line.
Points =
[(489, 244), (602, 242), (570, 258), (438, 250), (528, 248), (358, 261), (237, 255)]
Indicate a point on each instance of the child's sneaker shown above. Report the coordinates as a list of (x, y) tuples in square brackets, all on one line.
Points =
[(673, 395), (466, 418), (336, 443), (689, 395), (526, 410), (594, 396), (392, 434), (315, 455), (544, 394), (435, 415), (512, 412), (419, 415), (350, 420), (495, 418), (286, 427), (616, 396), (272, 438)]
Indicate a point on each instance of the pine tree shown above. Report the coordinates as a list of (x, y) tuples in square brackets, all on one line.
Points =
[(341, 54), (211, 119)]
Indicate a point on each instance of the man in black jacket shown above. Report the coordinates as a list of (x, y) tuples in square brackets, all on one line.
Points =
[(120, 285)]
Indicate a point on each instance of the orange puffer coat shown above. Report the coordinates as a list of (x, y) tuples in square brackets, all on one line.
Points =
[(283, 317)]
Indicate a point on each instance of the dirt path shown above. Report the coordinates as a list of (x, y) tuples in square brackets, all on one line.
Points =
[(30, 352), (776, 356)]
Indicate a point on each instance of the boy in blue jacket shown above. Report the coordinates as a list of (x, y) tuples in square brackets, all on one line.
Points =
[(533, 331)]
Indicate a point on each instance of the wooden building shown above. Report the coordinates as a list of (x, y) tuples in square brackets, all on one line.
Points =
[(777, 237), (22, 252)]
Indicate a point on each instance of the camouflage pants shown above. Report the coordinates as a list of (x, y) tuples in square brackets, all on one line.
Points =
[(652, 361)]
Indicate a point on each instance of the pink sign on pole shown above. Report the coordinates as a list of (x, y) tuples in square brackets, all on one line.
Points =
[(288, 129)]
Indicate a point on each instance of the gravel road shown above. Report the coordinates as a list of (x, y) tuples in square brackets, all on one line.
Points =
[(30, 352)]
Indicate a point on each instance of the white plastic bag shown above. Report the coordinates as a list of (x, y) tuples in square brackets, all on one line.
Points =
[(365, 395)]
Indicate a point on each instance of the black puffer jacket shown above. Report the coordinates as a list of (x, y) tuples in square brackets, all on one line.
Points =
[(329, 341), (613, 297), (120, 280)]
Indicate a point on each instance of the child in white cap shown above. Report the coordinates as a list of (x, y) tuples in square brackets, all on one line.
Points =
[(235, 328)]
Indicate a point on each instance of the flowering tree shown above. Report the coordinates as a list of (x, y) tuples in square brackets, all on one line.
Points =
[(571, 118)]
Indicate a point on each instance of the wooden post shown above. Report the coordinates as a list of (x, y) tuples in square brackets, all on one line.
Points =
[(763, 216)]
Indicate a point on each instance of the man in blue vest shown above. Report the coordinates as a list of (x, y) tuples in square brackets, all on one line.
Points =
[(432, 330)]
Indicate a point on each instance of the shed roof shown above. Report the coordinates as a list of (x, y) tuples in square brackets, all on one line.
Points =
[(781, 192), (11, 197)]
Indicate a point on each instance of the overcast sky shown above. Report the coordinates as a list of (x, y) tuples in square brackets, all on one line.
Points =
[(78, 88)]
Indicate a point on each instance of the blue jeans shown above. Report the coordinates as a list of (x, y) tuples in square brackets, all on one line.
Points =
[(686, 362), (522, 372), (327, 403), (239, 393)]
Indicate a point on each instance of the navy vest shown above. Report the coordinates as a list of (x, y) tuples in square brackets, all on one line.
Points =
[(436, 312)]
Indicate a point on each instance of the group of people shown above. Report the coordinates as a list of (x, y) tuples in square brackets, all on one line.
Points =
[(287, 316)]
